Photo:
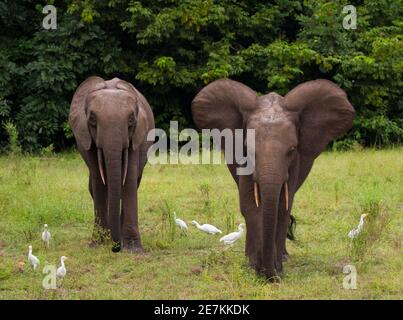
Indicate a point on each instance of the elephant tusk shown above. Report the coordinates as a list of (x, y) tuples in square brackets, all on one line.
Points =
[(255, 191), (100, 165), (286, 195), (125, 164)]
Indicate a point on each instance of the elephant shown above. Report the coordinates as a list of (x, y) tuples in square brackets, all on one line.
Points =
[(290, 132), (110, 121)]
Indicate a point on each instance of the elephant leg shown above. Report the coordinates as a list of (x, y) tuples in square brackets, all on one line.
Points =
[(251, 214), (99, 195), (281, 235), (130, 229), (142, 161), (252, 247), (252, 219), (284, 215)]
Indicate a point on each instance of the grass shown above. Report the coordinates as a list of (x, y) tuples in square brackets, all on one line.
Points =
[(341, 186)]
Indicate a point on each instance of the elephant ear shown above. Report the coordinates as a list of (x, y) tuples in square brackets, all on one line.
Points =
[(142, 123), (223, 104), (324, 114), (77, 115)]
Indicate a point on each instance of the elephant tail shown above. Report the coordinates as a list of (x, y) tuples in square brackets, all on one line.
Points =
[(291, 228)]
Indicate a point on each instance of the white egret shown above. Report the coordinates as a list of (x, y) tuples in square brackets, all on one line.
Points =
[(233, 236), (46, 235), (207, 228), (355, 232), (61, 271), (32, 259), (180, 223)]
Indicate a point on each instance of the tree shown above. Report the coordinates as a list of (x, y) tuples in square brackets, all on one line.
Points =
[(169, 49)]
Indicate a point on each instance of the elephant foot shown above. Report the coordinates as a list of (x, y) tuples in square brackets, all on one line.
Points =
[(273, 279), (270, 275), (253, 256), (132, 246), (254, 261), (136, 250), (255, 264)]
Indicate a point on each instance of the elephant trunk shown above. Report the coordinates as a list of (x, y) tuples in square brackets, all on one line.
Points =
[(113, 164), (270, 189)]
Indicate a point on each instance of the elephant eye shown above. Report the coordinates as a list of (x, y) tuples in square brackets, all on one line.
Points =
[(291, 150), (92, 120)]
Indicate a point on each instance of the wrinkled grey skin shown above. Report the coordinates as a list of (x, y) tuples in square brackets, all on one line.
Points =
[(290, 132), (110, 121)]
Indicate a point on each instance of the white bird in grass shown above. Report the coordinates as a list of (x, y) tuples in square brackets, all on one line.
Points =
[(207, 228), (61, 271), (233, 236), (32, 259), (46, 235), (180, 223), (355, 232)]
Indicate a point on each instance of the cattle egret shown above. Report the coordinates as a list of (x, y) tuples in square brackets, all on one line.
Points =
[(233, 236), (355, 232), (46, 235), (180, 223), (61, 271), (207, 228), (32, 259)]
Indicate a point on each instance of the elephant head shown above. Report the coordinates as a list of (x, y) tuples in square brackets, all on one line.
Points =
[(109, 117), (290, 132)]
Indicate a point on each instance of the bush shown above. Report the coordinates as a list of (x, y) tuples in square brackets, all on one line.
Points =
[(14, 146)]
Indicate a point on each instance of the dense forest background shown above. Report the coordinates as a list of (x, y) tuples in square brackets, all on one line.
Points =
[(169, 49)]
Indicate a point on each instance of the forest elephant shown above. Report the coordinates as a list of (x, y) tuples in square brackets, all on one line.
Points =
[(110, 121), (290, 132)]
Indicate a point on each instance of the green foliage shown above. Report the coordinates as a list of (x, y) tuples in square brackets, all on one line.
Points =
[(205, 195), (48, 151), (230, 224), (375, 223), (168, 226), (169, 49), (14, 145)]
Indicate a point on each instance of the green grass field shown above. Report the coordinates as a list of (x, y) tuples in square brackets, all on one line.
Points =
[(341, 186)]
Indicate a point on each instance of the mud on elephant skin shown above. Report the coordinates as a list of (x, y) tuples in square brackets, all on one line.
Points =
[(290, 132), (110, 121)]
